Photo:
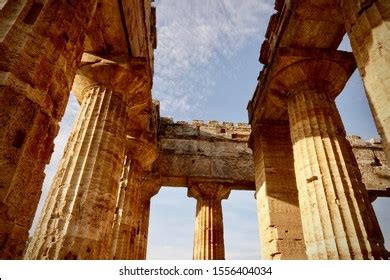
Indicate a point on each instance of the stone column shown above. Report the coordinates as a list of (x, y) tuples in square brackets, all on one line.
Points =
[(123, 243), (367, 24), (78, 215), (337, 217), (208, 240), (132, 240), (123, 188), (280, 223), (140, 224), (41, 43), (130, 229)]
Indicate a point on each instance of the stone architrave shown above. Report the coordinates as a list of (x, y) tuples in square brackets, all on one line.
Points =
[(208, 240), (79, 211), (367, 24), (41, 43), (280, 223)]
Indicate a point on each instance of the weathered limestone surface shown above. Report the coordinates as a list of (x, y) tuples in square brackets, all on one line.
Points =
[(199, 150), (367, 24), (41, 43), (276, 193), (208, 239)]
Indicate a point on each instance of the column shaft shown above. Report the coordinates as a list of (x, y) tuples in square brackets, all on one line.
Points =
[(368, 27), (140, 219), (276, 193), (209, 243), (337, 216), (41, 43), (132, 220), (208, 240), (78, 216), (128, 210), (133, 207), (123, 187)]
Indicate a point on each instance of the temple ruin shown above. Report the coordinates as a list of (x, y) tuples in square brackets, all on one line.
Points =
[(313, 185)]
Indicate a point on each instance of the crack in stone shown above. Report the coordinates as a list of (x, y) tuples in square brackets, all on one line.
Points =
[(365, 6)]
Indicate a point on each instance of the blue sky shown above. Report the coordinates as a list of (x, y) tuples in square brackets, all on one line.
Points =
[(206, 68)]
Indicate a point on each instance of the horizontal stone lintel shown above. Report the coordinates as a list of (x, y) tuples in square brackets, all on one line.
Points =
[(212, 155)]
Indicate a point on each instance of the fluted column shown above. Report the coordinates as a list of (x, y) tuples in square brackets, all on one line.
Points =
[(123, 189), (208, 240), (368, 27), (338, 220), (77, 219), (128, 207), (140, 223), (280, 223), (337, 216), (41, 43), (130, 229)]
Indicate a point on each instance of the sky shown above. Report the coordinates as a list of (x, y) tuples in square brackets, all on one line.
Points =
[(206, 67)]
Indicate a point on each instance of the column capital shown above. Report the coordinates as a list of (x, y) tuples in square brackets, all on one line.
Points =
[(149, 187), (128, 76), (294, 70), (310, 68), (141, 139), (142, 150), (203, 190)]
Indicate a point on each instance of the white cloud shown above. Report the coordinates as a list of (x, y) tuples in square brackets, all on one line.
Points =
[(194, 39)]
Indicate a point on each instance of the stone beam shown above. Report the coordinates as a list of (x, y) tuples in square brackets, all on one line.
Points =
[(198, 150), (123, 28)]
